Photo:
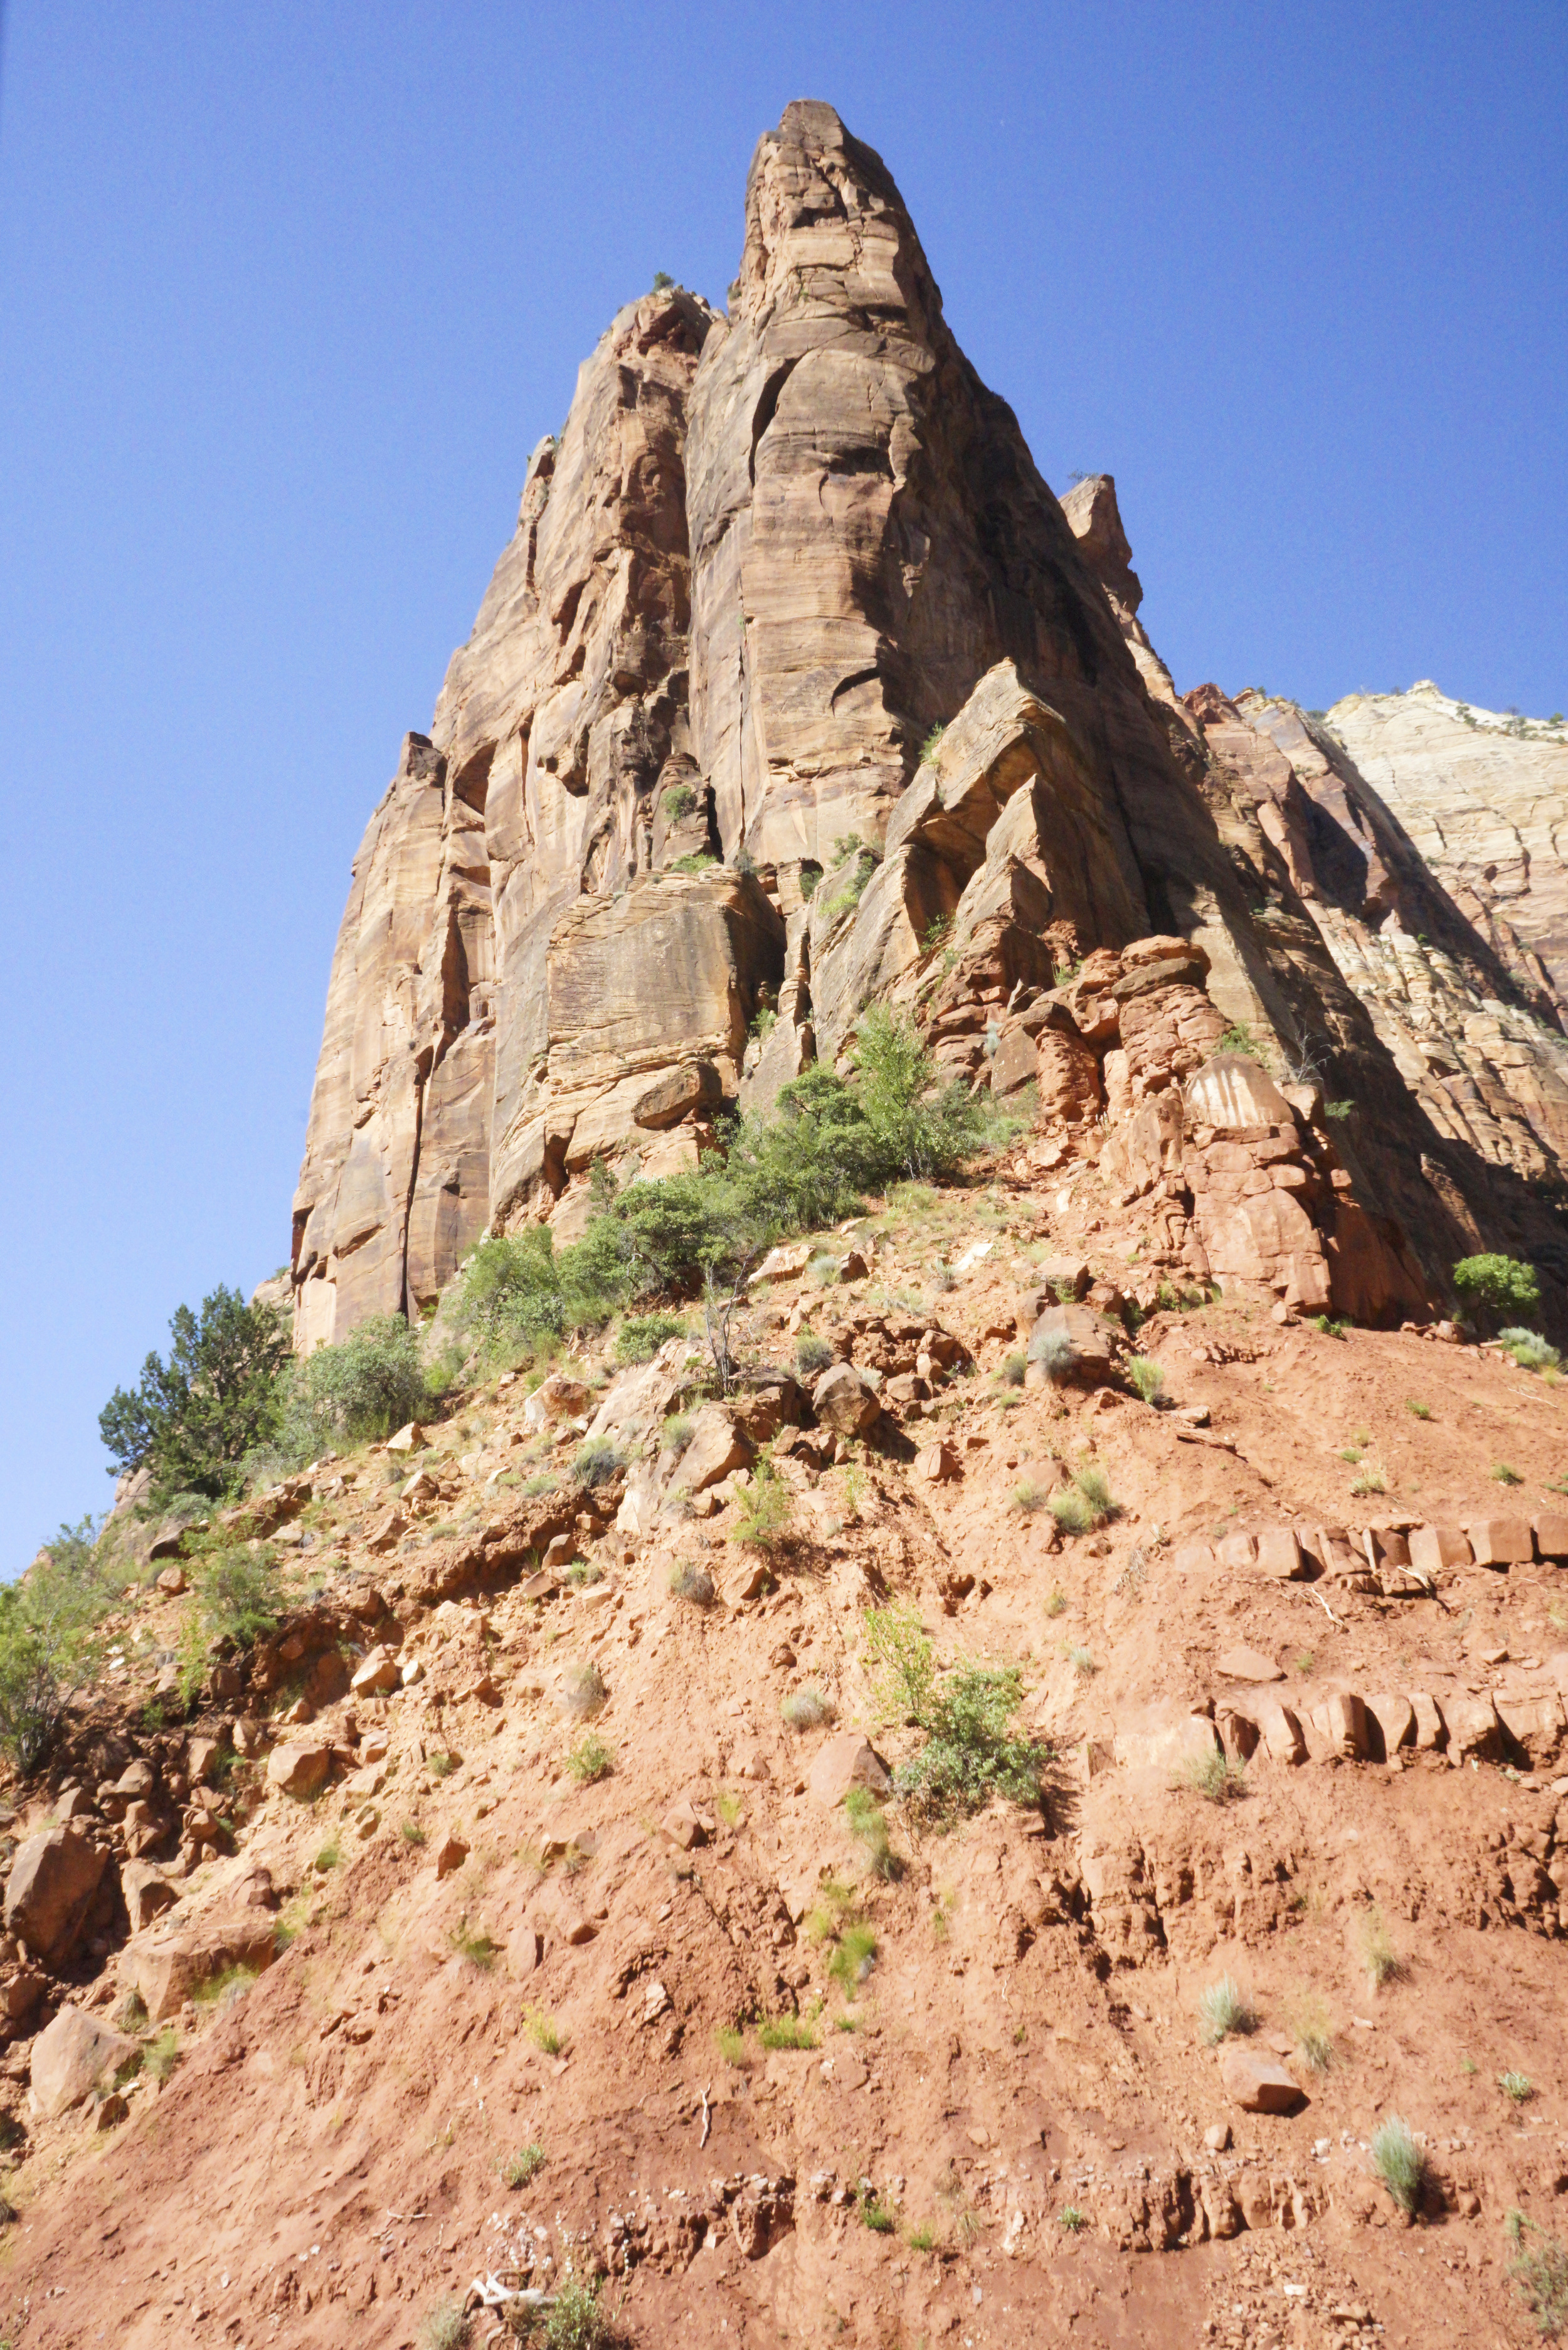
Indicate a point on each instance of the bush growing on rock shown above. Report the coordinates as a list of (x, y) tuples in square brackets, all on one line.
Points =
[(641, 1338)]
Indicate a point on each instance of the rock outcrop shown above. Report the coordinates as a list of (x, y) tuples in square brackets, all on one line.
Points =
[(796, 690)]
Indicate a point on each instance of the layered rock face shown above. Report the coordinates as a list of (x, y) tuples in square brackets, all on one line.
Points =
[(1484, 797), (796, 690)]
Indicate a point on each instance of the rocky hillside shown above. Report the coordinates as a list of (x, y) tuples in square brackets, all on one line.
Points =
[(1029, 1801)]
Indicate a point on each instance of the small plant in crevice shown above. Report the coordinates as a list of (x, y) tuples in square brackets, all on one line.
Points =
[(1071, 2220)]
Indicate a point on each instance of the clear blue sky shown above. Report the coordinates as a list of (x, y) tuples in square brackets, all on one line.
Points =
[(287, 293)]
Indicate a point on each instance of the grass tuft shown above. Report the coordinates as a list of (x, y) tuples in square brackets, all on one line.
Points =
[(786, 2032), (1213, 1775), (591, 1760), (1399, 2162), (1540, 2274), (1516, 2087), (1148, 1378), (542, 2030), (1223, 2008), (520, 2168), (806, 1708), (691, 1583)]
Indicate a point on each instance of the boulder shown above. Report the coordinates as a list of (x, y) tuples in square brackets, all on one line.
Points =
[(1551, 1538), (1535, 1723), (1248, 1664), (685, 1827), (1165, 1739), (1474, 1731), (148, 1893), (376, 1676), (1280, 1554), (1433, 1548), (1501, 1541), (167, 1968), (717, 1449), (1279, 1731), (936, 1463), (51, 1884), (556, 1400), (1257, 2082), (1432, 1729), (1075, 1345), (74, 2055), (1340, 1724), (410, 1439), (844, 1401), (1392, 1719), (845, 1760), (171, 1581), (451, 1855), (300, 1771), (785, 1263)]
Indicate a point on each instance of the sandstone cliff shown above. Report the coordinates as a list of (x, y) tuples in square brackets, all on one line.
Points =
[(797, 689)]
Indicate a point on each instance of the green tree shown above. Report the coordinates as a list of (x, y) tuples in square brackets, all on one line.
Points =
[(370, 1383), (49, 1624), (194, 1417), (1490, 1287)]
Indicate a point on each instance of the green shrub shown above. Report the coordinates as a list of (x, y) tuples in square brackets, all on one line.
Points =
[(1028, 1497), (731, 2044), (1211, 1775), (1148, 1378), (1338, 1110), (192, 1418), (591, 1760), (806, 1708), (542, 2030), (578, 2320), (869, 1827), (49, 1642), (638, 1340), (1530, 1350), (929, 747), (1503, 1475), (1418, 1411), (1399, 2162), (446, 2326), (1238, 1038), (1540, 2275), (236, 1592), (811, 1354), (1074, 2220), (1223, 2008), (1015, 1370), (597, 1462), (479, 1949), (764, 1508), (1490, 1287), (524, 2165), (970, 1752), (786, 2032), (583, 1573), (700, 860), (367, 1387), (1330, 1327), (900, 1664), (583, 1692), (680, 802)]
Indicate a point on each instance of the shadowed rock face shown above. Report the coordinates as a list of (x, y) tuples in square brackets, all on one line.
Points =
[(772, 556)]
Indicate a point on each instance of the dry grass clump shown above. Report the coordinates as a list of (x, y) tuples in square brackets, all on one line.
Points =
[(583, 1691), (1223, 2008), (806, 1708), (691, 1583), (1399, 2162)]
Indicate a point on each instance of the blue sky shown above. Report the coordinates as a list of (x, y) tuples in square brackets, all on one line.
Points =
[(288, 293)]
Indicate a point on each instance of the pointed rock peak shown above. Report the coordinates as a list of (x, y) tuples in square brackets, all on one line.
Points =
[(826, 227), (1096, 521)]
